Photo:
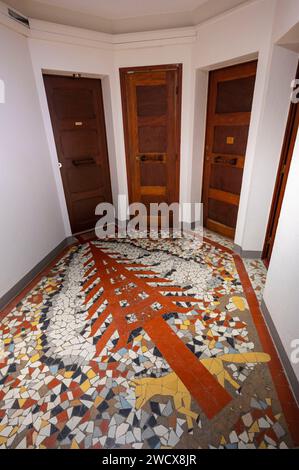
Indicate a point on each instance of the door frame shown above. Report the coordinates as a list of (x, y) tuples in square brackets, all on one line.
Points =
[(228, 232), (281, 178), (124, 101)]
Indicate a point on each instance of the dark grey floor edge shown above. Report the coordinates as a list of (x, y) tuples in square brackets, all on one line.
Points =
[(293, 381), (250, 254), (20, 285)]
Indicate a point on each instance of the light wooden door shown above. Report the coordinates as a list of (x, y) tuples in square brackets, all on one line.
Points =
[(151, 99), (228, 117)]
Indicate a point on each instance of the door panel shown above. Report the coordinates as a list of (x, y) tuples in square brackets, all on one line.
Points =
[(230, 140), (228, 117), (235, 96), (151, 98), (77, 115)]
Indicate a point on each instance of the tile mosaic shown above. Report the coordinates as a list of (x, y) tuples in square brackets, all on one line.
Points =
[(146, 344)]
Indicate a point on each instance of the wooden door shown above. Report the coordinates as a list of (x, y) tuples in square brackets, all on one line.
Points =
[(281, 179), (151, 99), (228, 116), (77, 115)]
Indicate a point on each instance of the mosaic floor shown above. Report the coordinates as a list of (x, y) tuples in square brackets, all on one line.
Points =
[(255, 268), (143, 344)]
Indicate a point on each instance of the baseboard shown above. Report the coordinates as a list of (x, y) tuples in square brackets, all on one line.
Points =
[(20, 285), (293, 381), (250, 254)]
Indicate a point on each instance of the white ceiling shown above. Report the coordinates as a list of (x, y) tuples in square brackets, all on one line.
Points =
[(117, 9), (121, 16)]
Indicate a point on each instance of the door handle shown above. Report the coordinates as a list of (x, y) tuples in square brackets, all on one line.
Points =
[(141, 158), (153, 158), (83, 161), (231, 161)]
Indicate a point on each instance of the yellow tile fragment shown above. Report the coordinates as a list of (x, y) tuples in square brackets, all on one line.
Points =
[(98, 401), (34, 358), (91, 374), (74, 444), (254, 427), (14, 431), (138, 338), (68, 374), (44, 423), (85, 386), (239, 302)]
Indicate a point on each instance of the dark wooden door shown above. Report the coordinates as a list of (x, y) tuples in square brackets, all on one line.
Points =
[(228, 117), (77, 115), (151, 98), (281, 179)]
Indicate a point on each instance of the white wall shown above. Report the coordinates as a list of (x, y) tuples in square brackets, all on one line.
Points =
[(286, 16), (225, 41), (99, 58), (239, 35), (34, 216), (166, 54), (264, 150), (260, 181), (281, 291), (31, 221), (221, 41), (66, 57)]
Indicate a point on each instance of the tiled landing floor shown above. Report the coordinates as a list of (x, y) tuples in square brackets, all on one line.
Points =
[(255, 267), (143, 344)]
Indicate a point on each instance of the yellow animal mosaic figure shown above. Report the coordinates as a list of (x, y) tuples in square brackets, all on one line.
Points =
[(171, 385)]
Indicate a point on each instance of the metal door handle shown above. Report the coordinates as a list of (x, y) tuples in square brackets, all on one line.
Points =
[(232, 161), (141, 158), (83, 161), (153, 158)]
